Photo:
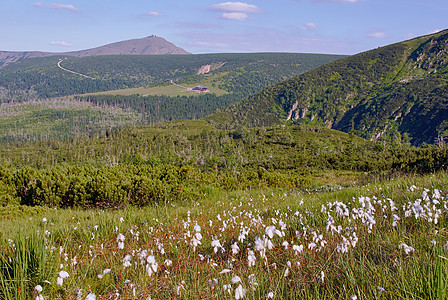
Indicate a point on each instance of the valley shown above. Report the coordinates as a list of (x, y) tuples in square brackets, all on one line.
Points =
[(291, 176)]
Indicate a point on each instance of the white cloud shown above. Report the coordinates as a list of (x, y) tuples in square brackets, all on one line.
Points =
[(37, 4), (350, 1), (240, 16), (237, 7), (60, 43), (64, 6), (377, 35), (208, 44), (434, 31), (309, 26), (153, 14)]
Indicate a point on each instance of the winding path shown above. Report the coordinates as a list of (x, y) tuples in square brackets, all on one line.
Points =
[(73, 72), (179, 85)]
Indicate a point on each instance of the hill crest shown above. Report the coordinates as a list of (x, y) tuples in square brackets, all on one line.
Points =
[(151, 45), (381, 94)]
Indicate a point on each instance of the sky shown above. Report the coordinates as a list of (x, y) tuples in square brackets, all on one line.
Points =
[(213, 26)]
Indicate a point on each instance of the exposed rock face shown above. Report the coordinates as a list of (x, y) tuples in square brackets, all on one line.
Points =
[(209, 68), (150, 45)]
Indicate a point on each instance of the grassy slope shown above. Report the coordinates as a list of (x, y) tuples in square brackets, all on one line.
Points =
[(169, 90)]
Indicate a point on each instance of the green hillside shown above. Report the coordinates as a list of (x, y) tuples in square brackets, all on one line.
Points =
[(185, 159), (394, 92), (245, 73), (139, 89)]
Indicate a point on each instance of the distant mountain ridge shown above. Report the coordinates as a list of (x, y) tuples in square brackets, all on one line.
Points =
[(389, 93), (151, 45)]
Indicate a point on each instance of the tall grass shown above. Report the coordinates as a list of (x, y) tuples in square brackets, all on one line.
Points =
[(25, 263), (378, 264)]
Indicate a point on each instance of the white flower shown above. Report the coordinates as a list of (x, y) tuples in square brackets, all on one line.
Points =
[(225, 271), (180, 287), (105, 271), (227, 288), (120, 241), (44, 220), (259, 245), (286, 274), (235, 279), (216, 244), (270, 231), (252, 282), (239, 292), (353, 297), (396, 219), (270, 295), (407, 249), (312, 245), (59, 281), (198, 236), (91, 297), (151, 267), (235, 248), (269, 244), (38, 288), (285, 244), (251, 258), (297, 248), (212, 283), (197, 228), (195, 242), (322, 275), (127, 261), (168, 262)]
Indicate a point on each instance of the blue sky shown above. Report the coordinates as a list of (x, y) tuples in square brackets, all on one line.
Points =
[(205, 26)]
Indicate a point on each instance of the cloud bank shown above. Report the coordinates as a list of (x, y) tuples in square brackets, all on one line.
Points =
[(60, 43), (236, 10), (64, 6), (377, 35), (153, 14)]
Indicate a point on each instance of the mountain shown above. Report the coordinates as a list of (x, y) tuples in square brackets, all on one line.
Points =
[(151, 45), (38, 87), (394, 93), (56, 76)]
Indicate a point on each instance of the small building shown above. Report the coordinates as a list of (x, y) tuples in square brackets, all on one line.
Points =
[(199, 89)]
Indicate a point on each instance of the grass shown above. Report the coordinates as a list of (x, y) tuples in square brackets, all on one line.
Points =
[(59, 118), (170, 90), (351, 246)]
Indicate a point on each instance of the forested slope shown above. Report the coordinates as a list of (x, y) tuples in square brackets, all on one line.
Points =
[(247, 73), (393, 92), (183, 160)]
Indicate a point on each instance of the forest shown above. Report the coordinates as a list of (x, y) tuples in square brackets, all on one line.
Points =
[(397, 88), (182, 160), (246, 73)]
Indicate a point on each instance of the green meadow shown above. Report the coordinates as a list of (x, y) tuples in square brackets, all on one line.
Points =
[(383, 240)]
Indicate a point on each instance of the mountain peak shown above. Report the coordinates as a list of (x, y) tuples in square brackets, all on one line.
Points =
[(150, 45)]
